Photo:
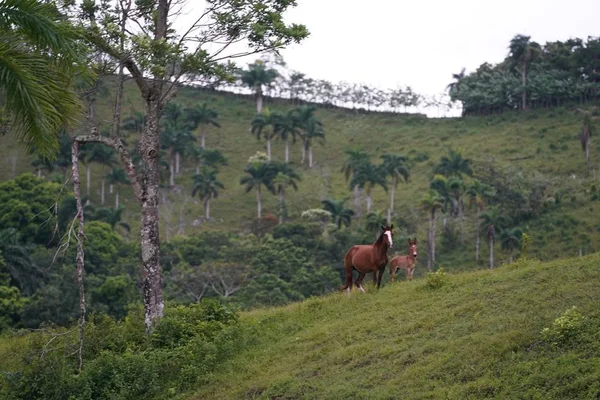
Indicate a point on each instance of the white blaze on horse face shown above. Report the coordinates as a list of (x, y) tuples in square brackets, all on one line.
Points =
[(389, 236)]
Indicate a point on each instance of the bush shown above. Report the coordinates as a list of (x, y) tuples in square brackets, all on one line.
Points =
[(437, 279), (564, 328)]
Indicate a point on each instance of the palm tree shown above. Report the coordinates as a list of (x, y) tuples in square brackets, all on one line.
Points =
[(113, 217), (286, 177), (255, 77), (454, 87), (511, 240), (259, 174), (210, 157), (41, 53), (522, 52), (454, 165), (350, 168), (375, 220), (134, 122), (491, 222), (367, 177), (431, 203), (202, 116), (586, 133), (263, 124), (207, 186), (313, 129), (479, 194), (340, 215), (175, 137), (286, 127), (394, 165), (305, 114), (116, 177)]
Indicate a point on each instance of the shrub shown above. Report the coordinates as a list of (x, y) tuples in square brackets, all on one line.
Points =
[(564, 328), (437, 279)]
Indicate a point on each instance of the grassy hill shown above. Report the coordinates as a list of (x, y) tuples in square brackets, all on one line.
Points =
[(542, 142), (477, 336)]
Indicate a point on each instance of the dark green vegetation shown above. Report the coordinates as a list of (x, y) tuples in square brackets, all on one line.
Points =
[(532, 76), (511, 332)]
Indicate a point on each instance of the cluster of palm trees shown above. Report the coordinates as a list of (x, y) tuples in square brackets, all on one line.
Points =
[(451, 195), (299, 122), (275, 176)]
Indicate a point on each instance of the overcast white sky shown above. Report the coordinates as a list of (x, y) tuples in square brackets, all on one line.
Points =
[(420, 43)]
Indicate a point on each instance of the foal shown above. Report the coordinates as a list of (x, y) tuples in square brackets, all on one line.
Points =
[(406, 263), (368, 258)]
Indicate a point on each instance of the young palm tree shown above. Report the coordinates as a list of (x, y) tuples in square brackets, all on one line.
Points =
[(431, 203), (207, 186), (313, 129), (375, 220), (394, 165), (134, 122), (259, 174), (113, 217), (493, 222), (367, 177), (340, 215), (286, 177), (454, 165), (202, 116), (305, 115), (255, 77), (350, 168), (41, 54), (115, 177), (479, 195), (175, 137), (586, 133), (286, 128), (511, 240), (263, 124)]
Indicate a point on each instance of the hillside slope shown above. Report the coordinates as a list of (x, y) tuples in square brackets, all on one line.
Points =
[(543, 142), (477, 336)]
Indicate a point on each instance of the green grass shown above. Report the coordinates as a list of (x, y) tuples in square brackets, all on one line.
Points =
[(543, 141), (476, 337)]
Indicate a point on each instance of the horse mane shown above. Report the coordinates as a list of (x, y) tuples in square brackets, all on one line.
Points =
[(379, 239)]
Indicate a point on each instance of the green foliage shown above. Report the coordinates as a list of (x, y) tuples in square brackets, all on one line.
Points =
[(437, 279), (565, 328)]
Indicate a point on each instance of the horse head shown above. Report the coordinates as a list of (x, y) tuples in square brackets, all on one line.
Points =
[(412, 247), (388, 235)]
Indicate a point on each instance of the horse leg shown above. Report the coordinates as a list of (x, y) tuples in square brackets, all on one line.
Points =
[(392, 272), (380, 275), (348, 267), (410, 273), (358, 282)]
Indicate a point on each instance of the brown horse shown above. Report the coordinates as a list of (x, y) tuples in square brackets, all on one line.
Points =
[(368, 258), (406, 263)]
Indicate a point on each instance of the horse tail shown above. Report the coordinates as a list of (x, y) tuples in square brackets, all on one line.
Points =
[(348, 268)]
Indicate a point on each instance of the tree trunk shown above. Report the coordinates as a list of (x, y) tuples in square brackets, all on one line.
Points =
[(80, 253), (491, 246), (207, 208), (150, 243), (429, 243), (87, 180), (110, 188), (102, 192), (391, 209), (39, 173), (281, 200), (258, 202), (477, 244), (198, 169), (587, 155), (177, 163), (259, 100), (287, 150), (269, 148), (433, 237), (524, 82), (356, 201), (310, 156), (369, 202), (172, 171), (203, 139), (117, 200), (303, 152)]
